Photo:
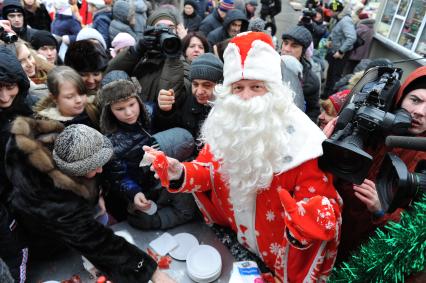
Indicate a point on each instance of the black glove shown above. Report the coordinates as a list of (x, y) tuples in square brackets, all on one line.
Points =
[(146, 43)]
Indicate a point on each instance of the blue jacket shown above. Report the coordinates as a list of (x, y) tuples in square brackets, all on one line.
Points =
[(66, 25), (101, 21)]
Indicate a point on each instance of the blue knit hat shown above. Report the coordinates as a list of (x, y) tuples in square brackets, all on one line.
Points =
[(226, 5)]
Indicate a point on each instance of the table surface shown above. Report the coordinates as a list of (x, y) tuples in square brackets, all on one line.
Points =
[(70, 263)]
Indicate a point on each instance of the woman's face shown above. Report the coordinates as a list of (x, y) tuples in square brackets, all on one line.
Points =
[(49, 52), (27, 61), (69, 102), (195, 49), (92, 80), (29, 2), (188, 9), (8, 92), (126, 111)]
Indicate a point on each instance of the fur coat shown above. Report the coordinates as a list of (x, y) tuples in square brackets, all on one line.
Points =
[(55, 209)]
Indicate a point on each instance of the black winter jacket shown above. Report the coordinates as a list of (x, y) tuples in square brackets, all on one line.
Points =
[(311, 88), (40, 19), (211, 22), (221, 33), (54, 208)]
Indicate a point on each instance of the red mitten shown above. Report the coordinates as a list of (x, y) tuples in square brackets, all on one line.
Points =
[(309, 220), (161, 165)]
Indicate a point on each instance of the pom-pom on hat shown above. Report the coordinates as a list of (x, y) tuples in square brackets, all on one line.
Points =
[(80, 149), (251, 56)]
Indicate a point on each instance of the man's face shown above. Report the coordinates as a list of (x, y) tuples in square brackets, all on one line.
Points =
[(202, 90), (16, 19), (415, 103), (247, 89), (291, 47), (235, 28)]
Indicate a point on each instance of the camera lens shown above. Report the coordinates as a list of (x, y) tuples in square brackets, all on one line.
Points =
[(170, 44)]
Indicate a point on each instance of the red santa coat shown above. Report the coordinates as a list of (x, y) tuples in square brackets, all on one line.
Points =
[(296, 220)]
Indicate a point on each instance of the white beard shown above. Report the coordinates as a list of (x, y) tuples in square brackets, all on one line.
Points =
[(249, 139)]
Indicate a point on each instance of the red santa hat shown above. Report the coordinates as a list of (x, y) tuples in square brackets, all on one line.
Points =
[(251, 56)]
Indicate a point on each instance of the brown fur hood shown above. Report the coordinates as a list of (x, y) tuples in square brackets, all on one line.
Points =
[(33, 138)]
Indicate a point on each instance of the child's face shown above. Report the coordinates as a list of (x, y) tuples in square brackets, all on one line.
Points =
[(126, 111), (69, 102)]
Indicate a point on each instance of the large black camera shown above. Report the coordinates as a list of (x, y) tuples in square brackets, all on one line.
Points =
[(308, 14), (396, 186), (7, 37), (364, 120), (166, 40)]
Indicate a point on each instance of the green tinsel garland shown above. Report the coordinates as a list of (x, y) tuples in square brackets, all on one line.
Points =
[(392, 253)]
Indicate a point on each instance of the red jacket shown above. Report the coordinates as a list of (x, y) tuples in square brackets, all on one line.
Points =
[(301, 205)]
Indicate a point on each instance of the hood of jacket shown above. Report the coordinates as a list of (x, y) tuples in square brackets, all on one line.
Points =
[(412, 79), (123, 11), (12, 72), (33, 138), (234, 15)]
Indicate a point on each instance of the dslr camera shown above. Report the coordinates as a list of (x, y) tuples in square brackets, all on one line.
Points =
[(366, 118), (166, 41), (7, 37), (307, 15)]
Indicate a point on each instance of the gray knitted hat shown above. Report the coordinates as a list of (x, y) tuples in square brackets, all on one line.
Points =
[(207, 67), (256, 24), (299, 34), (80, 149)]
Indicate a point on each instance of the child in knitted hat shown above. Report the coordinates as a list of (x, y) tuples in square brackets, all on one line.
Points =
[(134, 192)]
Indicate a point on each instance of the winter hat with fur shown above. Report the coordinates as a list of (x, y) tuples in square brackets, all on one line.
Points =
[(80, 149), (207, 67), (86, 56), (245, 58), (115, 86)]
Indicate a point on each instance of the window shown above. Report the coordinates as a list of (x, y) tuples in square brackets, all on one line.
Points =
[(403, 22)]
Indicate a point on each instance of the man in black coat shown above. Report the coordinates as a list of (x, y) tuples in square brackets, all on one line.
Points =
[(206, 72), (295, 43), (215, 19), (235, 22), (14, 12)]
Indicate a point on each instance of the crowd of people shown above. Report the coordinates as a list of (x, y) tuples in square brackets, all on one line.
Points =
[(231, 118)]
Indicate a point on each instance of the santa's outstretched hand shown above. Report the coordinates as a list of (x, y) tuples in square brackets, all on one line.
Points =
[(165, 168)]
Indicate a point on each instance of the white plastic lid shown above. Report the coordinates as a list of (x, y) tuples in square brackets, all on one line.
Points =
[(203, 263), (186, 242)]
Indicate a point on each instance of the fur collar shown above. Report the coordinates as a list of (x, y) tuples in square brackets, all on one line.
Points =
[(32, 137)]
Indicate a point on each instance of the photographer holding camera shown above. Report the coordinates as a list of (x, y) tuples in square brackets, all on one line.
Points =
[(155, 60), (312, 20), (363, 213)]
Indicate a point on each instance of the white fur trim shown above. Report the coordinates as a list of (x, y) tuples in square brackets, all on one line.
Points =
[(262, 63), (54, 114)]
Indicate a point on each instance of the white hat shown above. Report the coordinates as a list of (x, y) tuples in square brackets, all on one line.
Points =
[(251, 55), (99, 4)]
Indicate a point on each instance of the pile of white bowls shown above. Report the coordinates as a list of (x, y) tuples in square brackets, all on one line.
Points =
[(203, 264)]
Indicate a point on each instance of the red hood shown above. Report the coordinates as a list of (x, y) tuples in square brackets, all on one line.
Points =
[(419, 72)]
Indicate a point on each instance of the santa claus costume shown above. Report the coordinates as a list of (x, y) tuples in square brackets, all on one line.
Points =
[(258, 173)]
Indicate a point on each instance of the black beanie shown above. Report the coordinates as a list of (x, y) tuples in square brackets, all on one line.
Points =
[(299, 34), (86, 56), (207, 67), (11, 6), (42, 38)]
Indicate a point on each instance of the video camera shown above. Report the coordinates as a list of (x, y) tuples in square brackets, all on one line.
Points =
[(167, 41), (308, 14), (363, 120), (396, 186), (7, 37)]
